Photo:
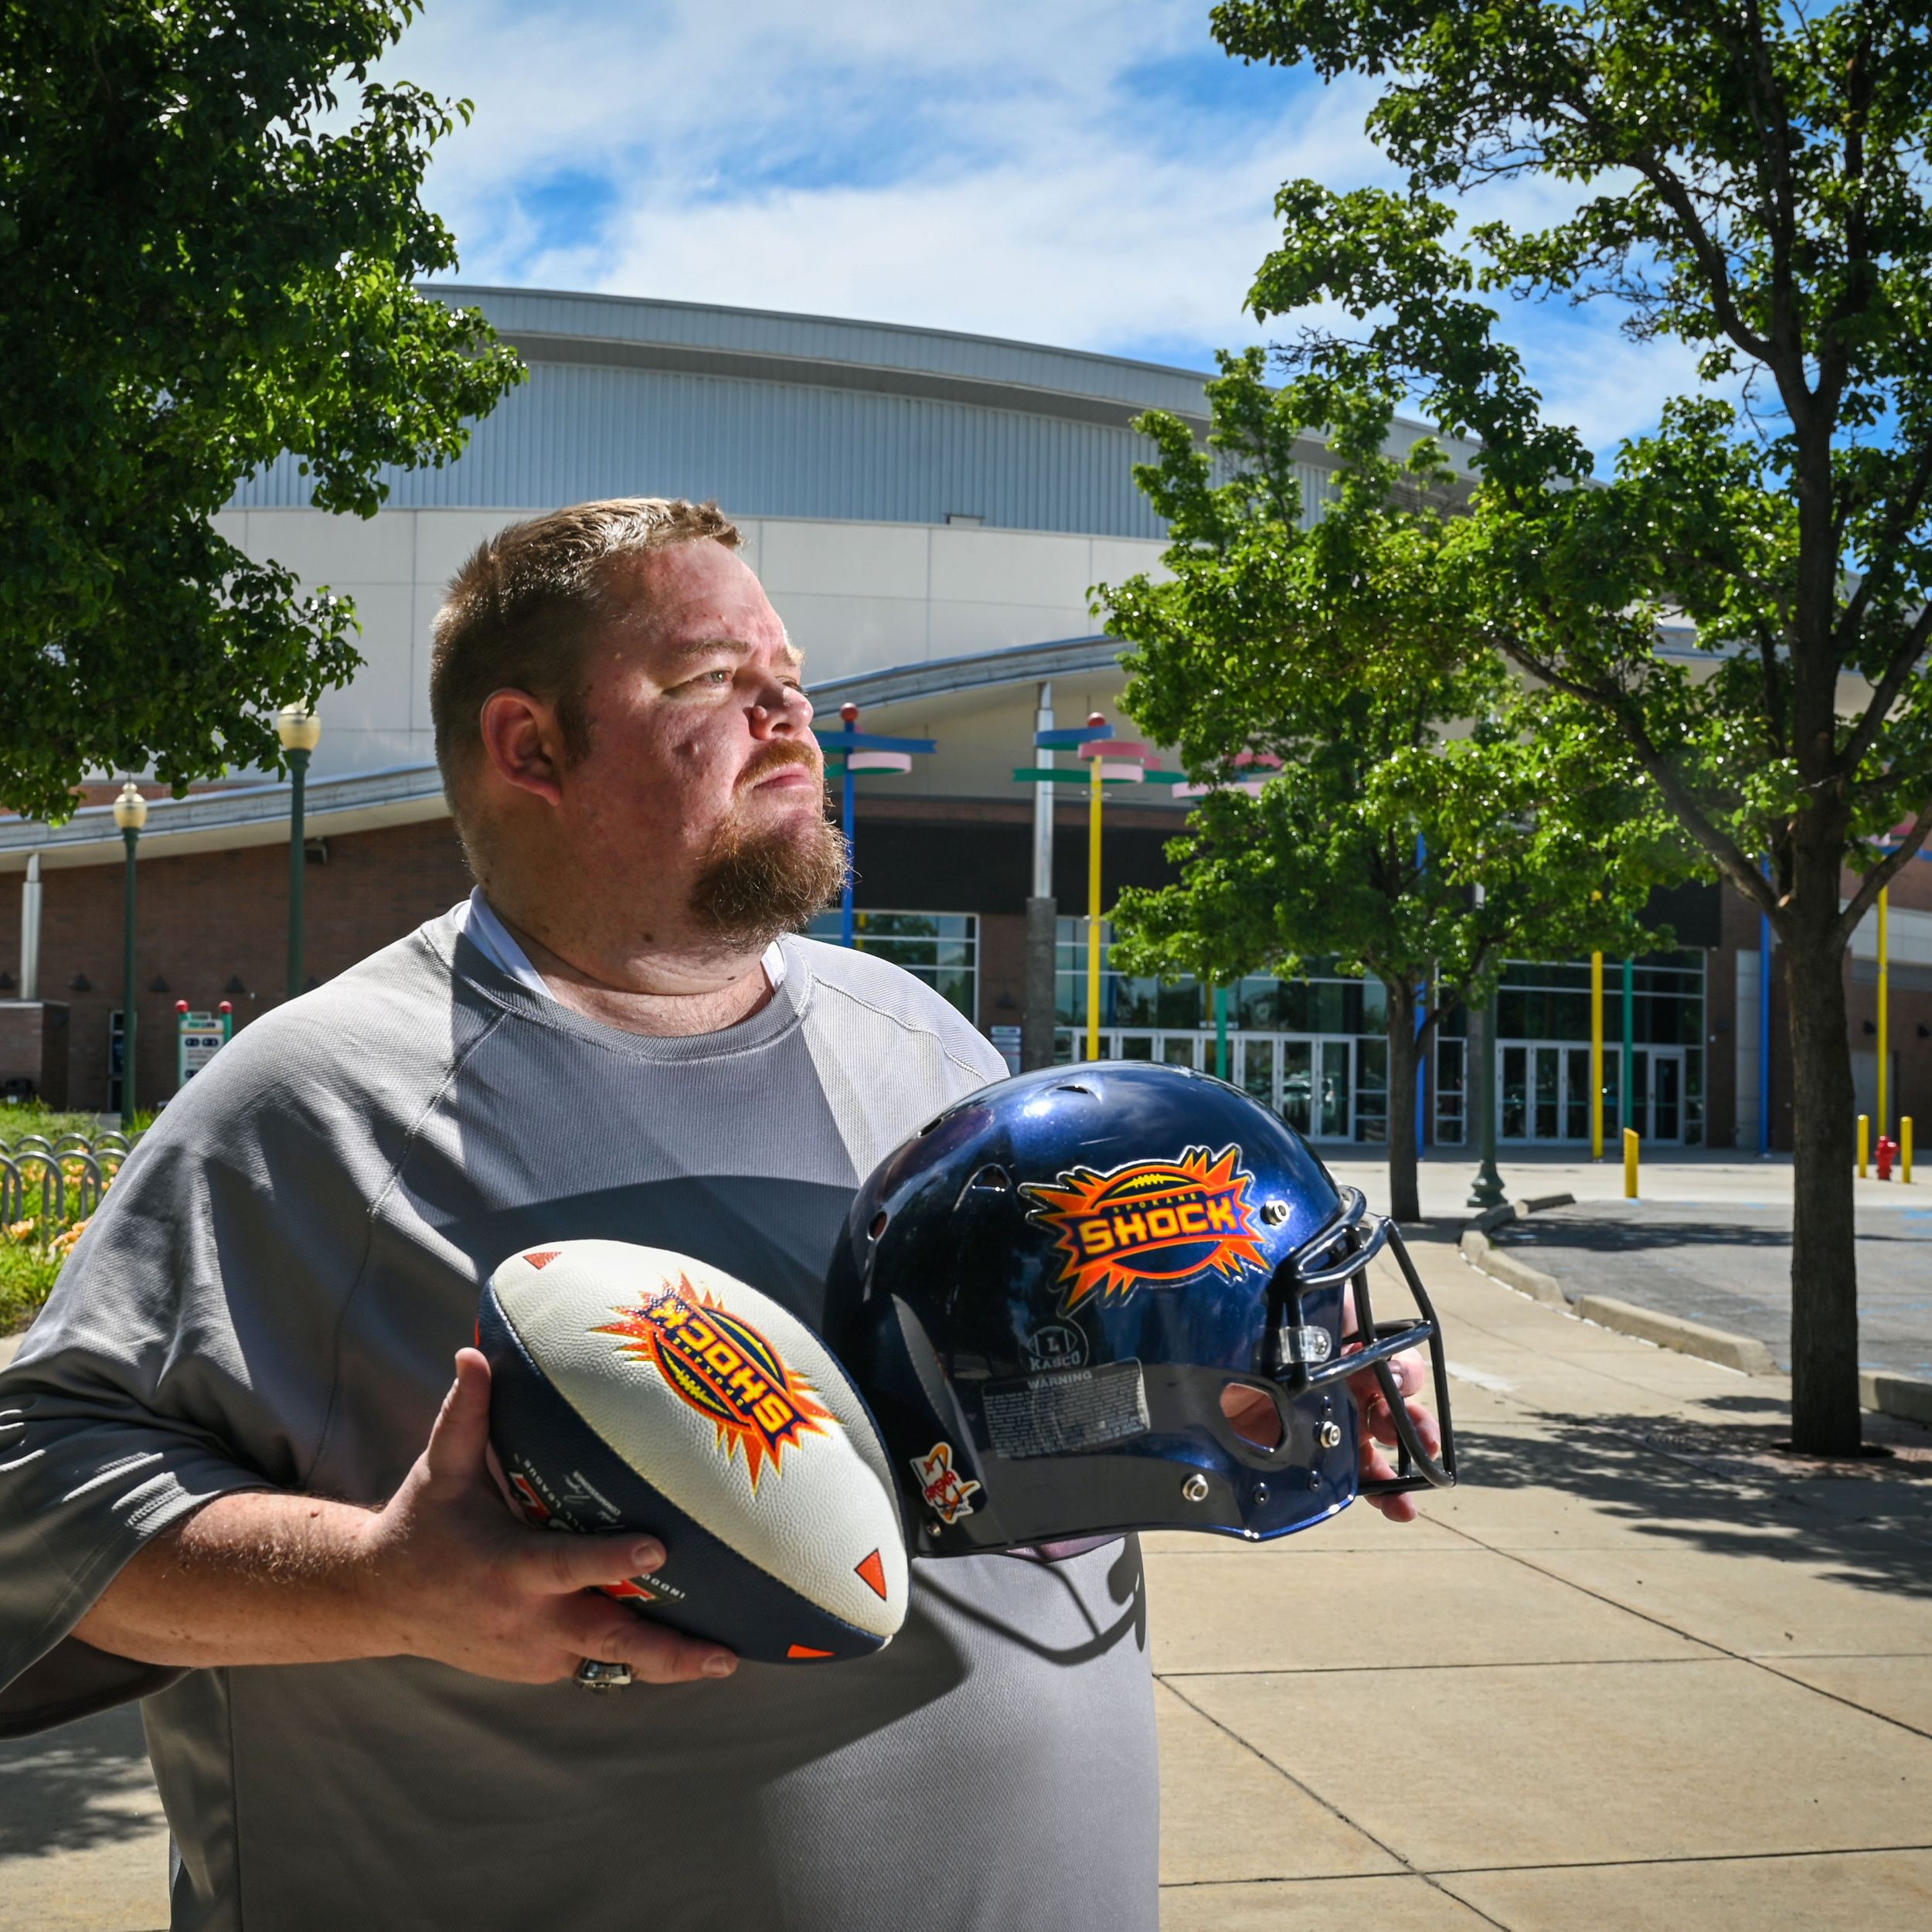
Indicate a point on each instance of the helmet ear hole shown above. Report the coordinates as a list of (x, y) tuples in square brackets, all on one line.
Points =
[(877, 1226), (1251, 1413)]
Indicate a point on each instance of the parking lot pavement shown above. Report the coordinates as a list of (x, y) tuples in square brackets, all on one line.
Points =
[(1727, 1263)]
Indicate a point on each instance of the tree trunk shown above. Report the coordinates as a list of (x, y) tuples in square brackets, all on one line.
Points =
[(1824, 1390), (1405, 1200)]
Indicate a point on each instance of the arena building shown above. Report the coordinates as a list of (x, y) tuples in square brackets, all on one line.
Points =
[(929, 512)]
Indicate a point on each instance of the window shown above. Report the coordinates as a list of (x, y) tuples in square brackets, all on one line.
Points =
[(940, 948)]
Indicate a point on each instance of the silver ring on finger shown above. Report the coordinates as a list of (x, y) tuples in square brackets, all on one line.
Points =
[(594, 1675)]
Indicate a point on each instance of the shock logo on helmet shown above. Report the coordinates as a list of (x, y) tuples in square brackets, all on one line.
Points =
[(1149, 1224), (722, 1366), (947, 1494)]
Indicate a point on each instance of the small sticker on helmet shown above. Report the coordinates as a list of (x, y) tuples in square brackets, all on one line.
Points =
[(944, 1491), (1057, 1415)]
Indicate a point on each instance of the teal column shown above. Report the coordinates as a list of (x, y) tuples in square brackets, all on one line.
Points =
[(1625, 1078), (1221, 1031)]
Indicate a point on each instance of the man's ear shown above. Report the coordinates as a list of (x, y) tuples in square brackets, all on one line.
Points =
[(523, 743)]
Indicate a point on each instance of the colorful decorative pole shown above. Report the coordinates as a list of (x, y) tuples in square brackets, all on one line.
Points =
[(1096, 793), (851, 751), (1110, 761)]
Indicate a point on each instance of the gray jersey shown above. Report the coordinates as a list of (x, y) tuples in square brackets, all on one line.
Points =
[(270, 1296)]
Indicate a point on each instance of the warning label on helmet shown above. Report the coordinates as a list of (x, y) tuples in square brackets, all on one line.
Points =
[(1051, 1415)]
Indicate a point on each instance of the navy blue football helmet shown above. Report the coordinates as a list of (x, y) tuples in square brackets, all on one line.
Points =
[(1110, 1296)]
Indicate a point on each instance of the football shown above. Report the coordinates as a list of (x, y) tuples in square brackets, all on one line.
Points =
[(636, 1388)]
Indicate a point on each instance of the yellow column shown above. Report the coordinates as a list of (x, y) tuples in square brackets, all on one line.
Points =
[(1096, 792), (1596, 1056), (1865, 1144), (1884, 1009), (1630, 1163)]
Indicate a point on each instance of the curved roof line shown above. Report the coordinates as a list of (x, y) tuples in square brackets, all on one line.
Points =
[(830, 351), (942, 677), (257, 813)]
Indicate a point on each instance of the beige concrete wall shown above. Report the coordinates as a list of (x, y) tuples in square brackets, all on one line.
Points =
[(856, 597)]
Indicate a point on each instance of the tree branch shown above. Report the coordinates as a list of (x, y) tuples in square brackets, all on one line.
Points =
[(1881, 876), (1724, 851), (1885, 695)]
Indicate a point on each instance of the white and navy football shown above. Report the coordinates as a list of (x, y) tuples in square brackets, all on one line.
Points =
[(636, 1388)]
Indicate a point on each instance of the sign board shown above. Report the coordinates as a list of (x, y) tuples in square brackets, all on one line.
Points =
[(198, 1037)]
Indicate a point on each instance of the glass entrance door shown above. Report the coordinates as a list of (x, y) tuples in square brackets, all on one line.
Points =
[(1657, 1093), (1543, 1087)]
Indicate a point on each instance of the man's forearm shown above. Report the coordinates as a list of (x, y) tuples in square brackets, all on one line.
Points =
[(257, 1577)]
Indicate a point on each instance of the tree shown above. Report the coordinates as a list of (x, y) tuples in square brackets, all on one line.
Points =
[(1346, 654), (201, 268), (1748, 182)]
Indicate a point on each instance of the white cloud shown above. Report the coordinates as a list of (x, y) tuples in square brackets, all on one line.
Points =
[(1091, 173)]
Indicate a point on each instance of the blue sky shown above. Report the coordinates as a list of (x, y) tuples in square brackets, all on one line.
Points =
[(1092, 173)]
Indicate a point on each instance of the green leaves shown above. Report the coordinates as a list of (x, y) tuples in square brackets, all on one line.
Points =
[(1349, 650), (201, 268), (1750, 183)]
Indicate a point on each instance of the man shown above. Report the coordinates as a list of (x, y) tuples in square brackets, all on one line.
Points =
[(212, 1444)]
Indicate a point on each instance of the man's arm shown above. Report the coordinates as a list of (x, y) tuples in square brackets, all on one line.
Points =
[(442, 1571)]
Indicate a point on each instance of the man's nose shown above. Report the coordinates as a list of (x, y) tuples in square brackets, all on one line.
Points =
[(781, 711)]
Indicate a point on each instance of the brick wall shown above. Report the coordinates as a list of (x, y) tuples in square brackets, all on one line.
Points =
[(207, 920)]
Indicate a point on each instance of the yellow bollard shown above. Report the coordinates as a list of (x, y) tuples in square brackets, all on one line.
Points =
[(1905, 1148), (1630, 1163), (1864, 1143)]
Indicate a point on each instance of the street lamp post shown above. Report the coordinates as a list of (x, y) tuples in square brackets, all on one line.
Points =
[(299, 731), (131, 814), (1488, 1192)]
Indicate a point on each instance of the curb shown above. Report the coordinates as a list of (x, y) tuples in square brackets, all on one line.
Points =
[(1904, 1397), (1742, 1353)]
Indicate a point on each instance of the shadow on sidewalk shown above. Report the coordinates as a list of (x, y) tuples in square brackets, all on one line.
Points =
[(52, 1787), (1722, 1487)]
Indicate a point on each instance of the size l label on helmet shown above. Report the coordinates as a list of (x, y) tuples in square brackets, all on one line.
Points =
[(1148, 1223), (947, 1494)]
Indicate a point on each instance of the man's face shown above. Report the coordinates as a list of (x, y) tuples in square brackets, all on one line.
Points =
[(702, 776)]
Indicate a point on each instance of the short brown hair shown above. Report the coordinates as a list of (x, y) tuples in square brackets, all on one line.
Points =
[(518, 613)]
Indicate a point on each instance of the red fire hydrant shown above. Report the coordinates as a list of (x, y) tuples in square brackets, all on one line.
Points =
[(1888, 1153)]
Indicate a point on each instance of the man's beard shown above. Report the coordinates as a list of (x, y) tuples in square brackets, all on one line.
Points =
[(755, 885)]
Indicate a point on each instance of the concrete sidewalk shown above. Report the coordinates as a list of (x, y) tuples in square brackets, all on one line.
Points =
[(1639, 1671)]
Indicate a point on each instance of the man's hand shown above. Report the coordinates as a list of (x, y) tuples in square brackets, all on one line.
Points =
[(443, 1570), (1378, 1429), (529, 1612)]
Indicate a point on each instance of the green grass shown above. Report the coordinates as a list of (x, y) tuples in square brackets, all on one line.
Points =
[(27, 1273)]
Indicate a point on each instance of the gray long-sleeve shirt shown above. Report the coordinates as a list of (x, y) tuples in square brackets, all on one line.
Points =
[(271, 1295)]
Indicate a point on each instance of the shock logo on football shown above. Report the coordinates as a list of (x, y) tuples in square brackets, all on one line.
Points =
[(722, 1367), (1148, 1223)]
